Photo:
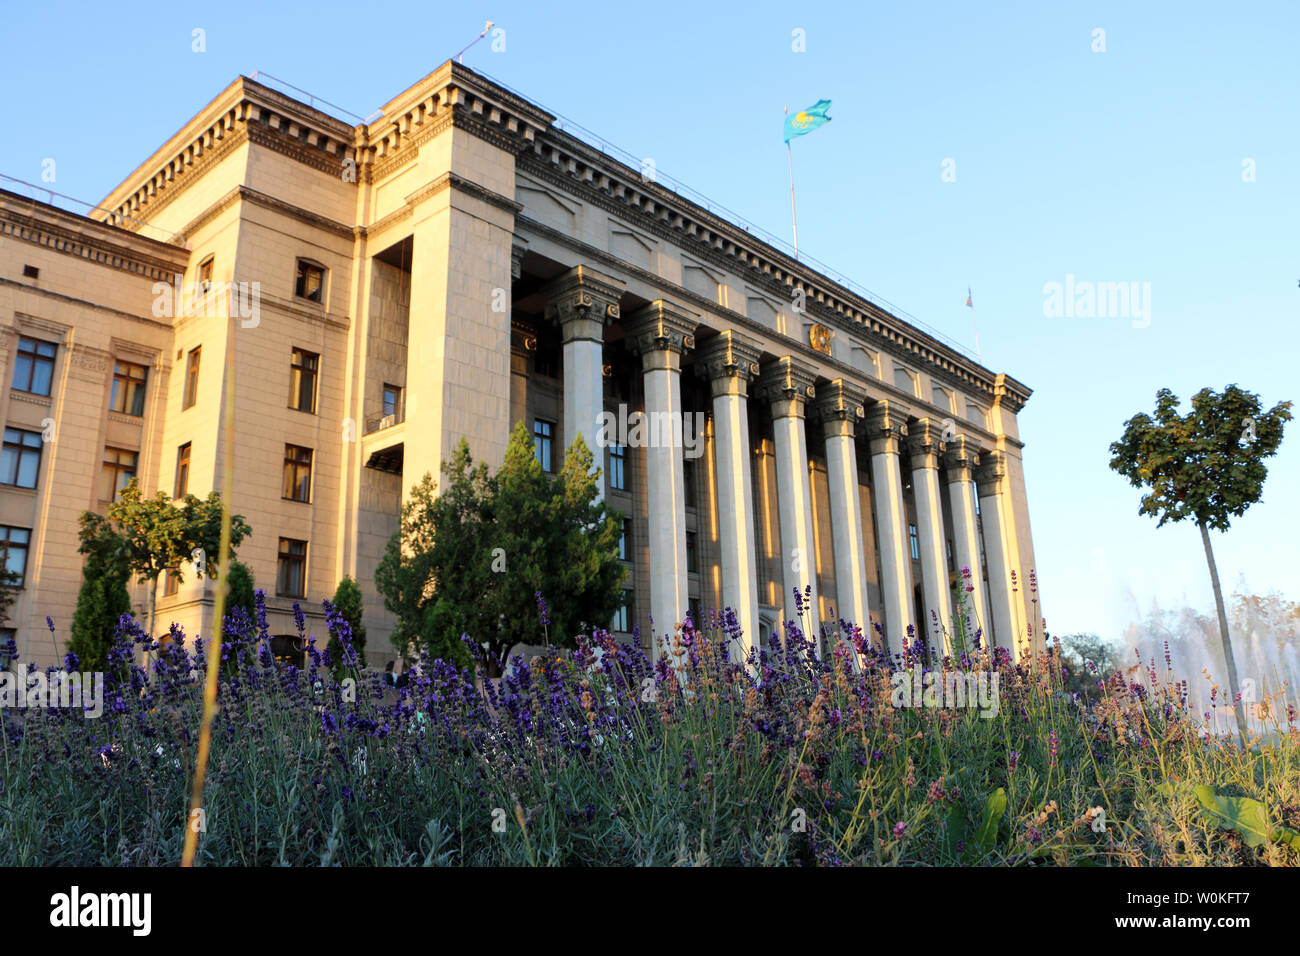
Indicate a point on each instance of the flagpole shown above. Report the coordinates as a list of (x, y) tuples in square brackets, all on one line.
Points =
[(974, 325), (794, 219)]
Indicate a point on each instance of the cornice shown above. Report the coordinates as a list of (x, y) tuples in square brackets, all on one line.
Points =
[(594, 177), (83, 303), (709, 308), (257, 198), (246, 111), (87, 239)]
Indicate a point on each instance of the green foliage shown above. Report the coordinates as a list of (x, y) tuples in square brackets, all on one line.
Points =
[(1203, 465), (1081, 650), (471, 556), (101, 602), (1248, 817), (143, 537), (347, 599), (239, 579), (8, 593)]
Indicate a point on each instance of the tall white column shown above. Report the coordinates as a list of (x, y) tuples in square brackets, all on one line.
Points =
[(660, 332), (788, 386), (960, 458), (1004, 599), (886, 427), (729, 361), (839, 408), (582, 302), (925, 448)]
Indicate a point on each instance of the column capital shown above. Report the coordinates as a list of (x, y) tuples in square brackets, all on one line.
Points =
[(925, 442), (962, 457), (582, 302), (660, 326), (886, 426), (523, 338), (839, 407), (992, 469), (728, 361), (787, 384)]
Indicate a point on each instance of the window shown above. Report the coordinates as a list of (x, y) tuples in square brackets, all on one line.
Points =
[(128, 388), (171, 583), (205, 272), (915, 542), (291, 581), (626, 539), (302, 380), (297, 473), (192, 377), (34, 366), (939, 396), (182, 471), (13, 552), (119, 469), (311, 281), (623, 615), (286, 648), (618, 467), (903, 379), (392, 400), (692, 552), (543, 432), (976, 414), (20, 460), (688, 483)]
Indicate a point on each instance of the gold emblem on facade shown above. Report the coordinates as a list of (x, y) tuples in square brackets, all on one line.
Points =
[(820, 337)]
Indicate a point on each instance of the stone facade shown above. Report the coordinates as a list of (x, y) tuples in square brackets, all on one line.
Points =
[(469, 265)]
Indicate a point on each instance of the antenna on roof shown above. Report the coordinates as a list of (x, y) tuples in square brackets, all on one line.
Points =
[(460, 57)]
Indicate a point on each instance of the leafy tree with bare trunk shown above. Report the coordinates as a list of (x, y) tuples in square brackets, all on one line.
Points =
[(1207, 465)]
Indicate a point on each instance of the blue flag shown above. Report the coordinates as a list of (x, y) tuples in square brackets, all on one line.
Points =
[(805, 121)]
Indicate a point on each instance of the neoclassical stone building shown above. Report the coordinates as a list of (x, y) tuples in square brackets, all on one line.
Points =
[(449, 269)]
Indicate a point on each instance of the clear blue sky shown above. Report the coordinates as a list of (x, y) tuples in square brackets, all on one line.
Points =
[(1117, 166)]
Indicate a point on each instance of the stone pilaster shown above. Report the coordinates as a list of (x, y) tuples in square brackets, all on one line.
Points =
[(925, 448), (838, 406), (961, 458), (659, 333), (886, 428), (582, 302), (995, 512), (729, 361), (787, 385)]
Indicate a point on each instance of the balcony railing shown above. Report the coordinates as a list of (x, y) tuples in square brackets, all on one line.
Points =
[(378, 423)]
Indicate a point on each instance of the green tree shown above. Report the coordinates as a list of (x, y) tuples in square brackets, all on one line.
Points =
[(1207, 465), (471, 559), (157, 535), (239, 580), (347, 601), (1089, 660), (103, 597)]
